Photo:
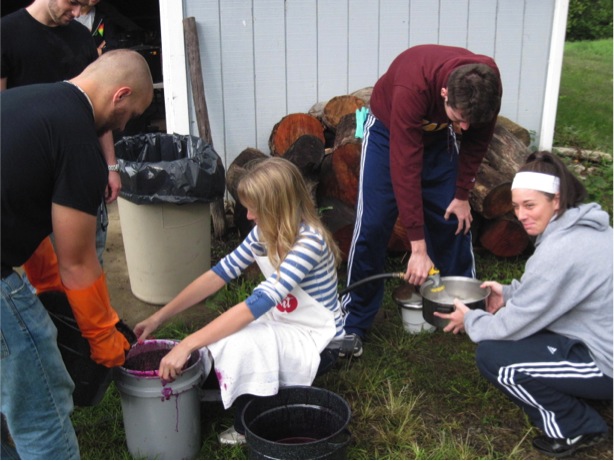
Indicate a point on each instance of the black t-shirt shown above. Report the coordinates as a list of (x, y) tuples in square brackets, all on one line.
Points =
[(35, 53), (49, 152)]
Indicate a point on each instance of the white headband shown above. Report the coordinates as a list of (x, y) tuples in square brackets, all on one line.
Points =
[(536, 181)]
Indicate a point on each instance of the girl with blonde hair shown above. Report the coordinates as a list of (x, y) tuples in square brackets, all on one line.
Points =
[(274, 338)]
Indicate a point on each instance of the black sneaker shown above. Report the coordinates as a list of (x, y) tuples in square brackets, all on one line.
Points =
[(352, 345), (559, 448)]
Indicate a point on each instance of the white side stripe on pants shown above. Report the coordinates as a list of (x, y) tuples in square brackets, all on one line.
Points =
[(359, 205), (563, 369)]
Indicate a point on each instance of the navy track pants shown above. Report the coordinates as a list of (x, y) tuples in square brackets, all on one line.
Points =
[(376, 213), (548, 376)]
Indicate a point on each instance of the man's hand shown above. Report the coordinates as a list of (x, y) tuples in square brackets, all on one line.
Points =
[(419, 263), (100, 48), (113, 187), (462, 210)]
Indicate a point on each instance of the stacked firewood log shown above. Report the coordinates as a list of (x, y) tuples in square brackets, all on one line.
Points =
[(322, 143)]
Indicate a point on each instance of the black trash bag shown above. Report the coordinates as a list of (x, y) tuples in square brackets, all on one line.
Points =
[(165, 168)]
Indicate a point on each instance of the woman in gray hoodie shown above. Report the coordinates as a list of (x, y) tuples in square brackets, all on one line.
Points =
[(546, 340)]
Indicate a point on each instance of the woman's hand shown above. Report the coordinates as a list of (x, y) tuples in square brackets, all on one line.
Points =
[(173, 362), (144, 329), (456, 319), (495, 299)]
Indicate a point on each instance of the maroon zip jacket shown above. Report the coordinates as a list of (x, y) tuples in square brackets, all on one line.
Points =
[(408, 94)]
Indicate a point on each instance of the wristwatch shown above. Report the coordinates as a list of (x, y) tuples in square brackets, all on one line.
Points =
[(114, 167)]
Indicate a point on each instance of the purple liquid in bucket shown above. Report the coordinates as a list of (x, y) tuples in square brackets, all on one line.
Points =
[(146, 362), (144, 359)]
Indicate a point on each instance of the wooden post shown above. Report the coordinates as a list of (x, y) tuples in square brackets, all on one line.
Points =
[(198, 87), (218, 214)]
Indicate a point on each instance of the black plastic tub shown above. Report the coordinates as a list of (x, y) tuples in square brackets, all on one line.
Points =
[(300, 422)]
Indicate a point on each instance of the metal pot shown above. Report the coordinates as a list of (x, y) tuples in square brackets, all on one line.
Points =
[(438, 299), (409, 302)]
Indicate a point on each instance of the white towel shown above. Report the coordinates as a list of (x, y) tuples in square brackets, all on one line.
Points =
[(262, 357)]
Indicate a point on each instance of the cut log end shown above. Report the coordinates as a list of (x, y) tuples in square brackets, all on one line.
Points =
[(290, 128), (505, 237), (498, 202), (339, 106)]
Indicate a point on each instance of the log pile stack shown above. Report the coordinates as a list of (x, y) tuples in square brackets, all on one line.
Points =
[(322, 143)]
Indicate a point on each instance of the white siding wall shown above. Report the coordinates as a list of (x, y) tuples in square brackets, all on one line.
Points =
[(263, 59)]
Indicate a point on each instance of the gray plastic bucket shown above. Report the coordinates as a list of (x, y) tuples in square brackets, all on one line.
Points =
[(300, 422), (161, 421)]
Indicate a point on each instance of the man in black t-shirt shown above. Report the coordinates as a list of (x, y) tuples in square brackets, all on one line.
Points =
[(43, 44), (52, 179)]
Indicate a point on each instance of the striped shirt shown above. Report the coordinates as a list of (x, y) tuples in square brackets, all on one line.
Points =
[(309, 265)]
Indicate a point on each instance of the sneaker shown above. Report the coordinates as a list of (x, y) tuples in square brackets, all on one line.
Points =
[(352, 345), (560, 448), (231, 437)]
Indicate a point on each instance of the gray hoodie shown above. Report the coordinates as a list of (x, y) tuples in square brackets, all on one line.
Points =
[(566, 288)]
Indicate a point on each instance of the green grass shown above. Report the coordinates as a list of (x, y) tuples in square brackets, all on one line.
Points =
[(584, 112), (412, 396), (418, 396)]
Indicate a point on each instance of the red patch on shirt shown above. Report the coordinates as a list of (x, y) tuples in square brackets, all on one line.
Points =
[(289, 304)]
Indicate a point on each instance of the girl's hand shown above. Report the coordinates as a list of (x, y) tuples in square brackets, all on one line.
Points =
[(495, 299), (144, 329), (173, 362), (456, 319)]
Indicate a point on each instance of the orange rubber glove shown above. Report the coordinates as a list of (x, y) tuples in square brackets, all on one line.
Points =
[(42, 268), (97, 319)]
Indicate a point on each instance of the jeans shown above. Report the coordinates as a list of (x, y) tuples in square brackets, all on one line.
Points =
[(102, 223), (36, 389)]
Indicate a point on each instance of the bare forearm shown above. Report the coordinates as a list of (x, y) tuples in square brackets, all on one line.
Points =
[(108, 147), (201, 288)]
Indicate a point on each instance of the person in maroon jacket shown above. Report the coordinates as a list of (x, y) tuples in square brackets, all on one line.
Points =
[(432, 116)]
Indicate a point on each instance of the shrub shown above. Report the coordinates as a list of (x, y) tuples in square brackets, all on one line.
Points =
[(589, 20)]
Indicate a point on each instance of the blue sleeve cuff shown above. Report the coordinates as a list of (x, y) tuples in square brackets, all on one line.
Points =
[(259, 303), (219, 271)]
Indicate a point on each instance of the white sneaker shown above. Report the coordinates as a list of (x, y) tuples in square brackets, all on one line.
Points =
[(231, 437)]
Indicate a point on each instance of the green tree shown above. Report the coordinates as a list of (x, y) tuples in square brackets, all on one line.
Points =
[(589, 20)]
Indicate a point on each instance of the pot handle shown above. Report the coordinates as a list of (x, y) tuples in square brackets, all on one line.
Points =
[(445, 309)]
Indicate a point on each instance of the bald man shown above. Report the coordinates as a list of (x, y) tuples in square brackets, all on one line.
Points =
[(53, 178)]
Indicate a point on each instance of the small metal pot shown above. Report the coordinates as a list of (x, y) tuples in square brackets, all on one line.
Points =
[(437, 299), (409, 302)]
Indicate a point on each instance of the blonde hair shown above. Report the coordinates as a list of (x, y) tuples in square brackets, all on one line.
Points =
[(275, 190)]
